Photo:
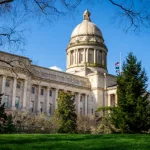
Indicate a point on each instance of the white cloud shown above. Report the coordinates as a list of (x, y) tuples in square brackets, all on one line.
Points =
[(55, 68)]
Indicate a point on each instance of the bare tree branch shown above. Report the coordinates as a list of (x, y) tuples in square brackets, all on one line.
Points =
[(5, 1)]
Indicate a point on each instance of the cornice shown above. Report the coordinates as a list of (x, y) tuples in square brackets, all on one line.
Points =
[(88, 65), (88, 44)]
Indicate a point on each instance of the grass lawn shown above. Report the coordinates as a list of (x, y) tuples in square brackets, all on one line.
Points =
[(74, 142)]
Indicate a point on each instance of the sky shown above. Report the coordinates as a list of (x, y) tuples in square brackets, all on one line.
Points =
[(46, 44)]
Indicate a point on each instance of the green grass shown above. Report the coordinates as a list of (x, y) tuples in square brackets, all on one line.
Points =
[(74, 142)]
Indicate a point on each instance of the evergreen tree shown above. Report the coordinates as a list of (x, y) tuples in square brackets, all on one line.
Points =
[(132, 113), (67, 117), (6, 122), (9, 127), (3, 116)]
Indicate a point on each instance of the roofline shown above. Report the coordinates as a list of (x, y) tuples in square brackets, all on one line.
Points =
[(60, 71), (15, 55)]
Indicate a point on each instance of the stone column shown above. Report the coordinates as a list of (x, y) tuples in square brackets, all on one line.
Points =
[(24, 95), (68, 59), (105, 90), (56, 97), (116, 99), (77, 56), (14, 94), (47, 102), (102, 58), (95, 56), (84, 55), (86, 99), (75, 99), (87, 54), (38, 100), (3, 88), (108, 99), (78, 103), (74, 56)]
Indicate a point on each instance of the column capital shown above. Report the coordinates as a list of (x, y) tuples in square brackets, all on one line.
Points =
[(3, 75)]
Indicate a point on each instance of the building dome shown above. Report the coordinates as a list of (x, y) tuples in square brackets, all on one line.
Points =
[(86, 48), (86, 28)]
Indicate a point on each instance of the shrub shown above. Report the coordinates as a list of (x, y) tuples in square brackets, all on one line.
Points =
[(85, 124)]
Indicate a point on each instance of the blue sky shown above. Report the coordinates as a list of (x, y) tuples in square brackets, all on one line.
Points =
[(46, 44)]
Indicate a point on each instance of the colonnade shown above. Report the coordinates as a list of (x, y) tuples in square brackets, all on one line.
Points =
[(14, 92), (37, 102), (73, 56)]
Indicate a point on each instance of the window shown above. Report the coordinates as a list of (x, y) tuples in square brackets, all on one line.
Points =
[(7, 84), (81, 111), (72, 58), (50, 108), (50, 93), (112, 99), (18, 85), (104, 59), (92, 111), (41, 107), (6, 97), (81, 56), (100, 57), (81, 98), (42, 91), (33, 90), (92, 100), (31, 106), (91, 56), (17, 102)]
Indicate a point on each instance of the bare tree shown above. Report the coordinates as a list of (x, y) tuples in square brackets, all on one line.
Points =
[(17, 12), (132, 14)]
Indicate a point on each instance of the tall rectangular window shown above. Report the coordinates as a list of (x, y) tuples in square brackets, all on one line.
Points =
[(81, 111), (72, 57), (92, 111), (50, 109), (31, 106), (103, 58), (41, 107), (91, 56), (81, 56), (99, 57), (33, 90), (18, 85), (17, 102), (7, 84), (42, 91), (112, 99), (6, 97), (81, 98), (50, 93)]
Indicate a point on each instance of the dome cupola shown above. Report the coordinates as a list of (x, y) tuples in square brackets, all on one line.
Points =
[(86, 48)]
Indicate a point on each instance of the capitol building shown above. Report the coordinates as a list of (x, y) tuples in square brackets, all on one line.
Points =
[(28, 87)]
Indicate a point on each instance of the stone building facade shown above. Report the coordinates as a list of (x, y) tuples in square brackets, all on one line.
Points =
[(35, 88)]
